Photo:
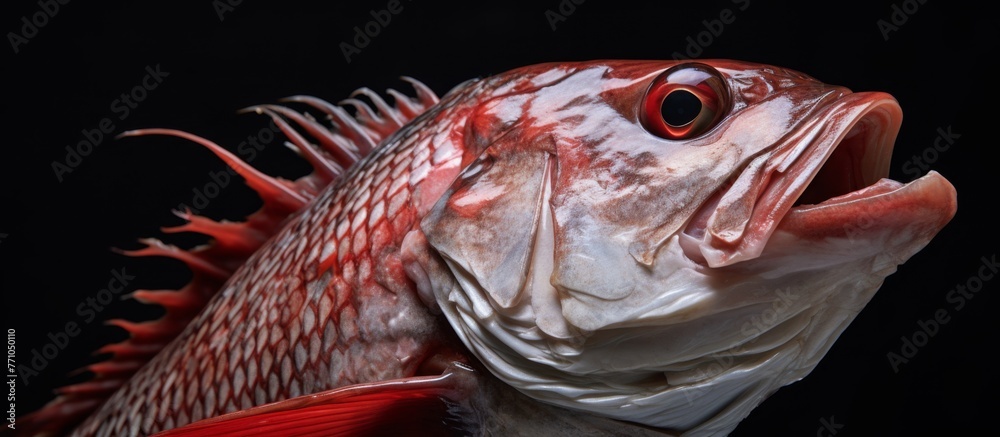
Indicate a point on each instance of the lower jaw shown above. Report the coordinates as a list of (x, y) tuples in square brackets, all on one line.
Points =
[(923, 207), (885, 214)]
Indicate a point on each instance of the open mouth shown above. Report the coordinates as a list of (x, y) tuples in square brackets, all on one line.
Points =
[(829, 173), (859, 160)]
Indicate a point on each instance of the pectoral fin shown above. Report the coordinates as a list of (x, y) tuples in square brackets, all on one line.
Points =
[(407, 406)]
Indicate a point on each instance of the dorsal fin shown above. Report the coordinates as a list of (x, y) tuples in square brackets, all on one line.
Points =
[(336, 147)]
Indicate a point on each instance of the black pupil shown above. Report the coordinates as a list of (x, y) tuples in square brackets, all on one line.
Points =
[(680, 108)]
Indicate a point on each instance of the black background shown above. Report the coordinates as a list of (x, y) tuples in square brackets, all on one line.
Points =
[(58, 234)]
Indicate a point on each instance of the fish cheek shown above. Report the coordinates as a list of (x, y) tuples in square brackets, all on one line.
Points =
[(484, 226)]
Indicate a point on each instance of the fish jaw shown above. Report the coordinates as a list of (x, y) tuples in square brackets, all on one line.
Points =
[(841, 158), (918, 210)]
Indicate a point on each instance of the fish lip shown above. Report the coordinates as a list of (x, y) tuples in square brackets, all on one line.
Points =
[(923, 206), (838, 155), (873, 204), (856, 132), (865, 141)]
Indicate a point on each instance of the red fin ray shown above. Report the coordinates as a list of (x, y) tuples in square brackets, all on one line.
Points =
[(408, 108), (334, 149), (386, 121), (238, 240), (350, 127), (341, 149), (325, 167), (271, 190), (193, 259), (414, 406)]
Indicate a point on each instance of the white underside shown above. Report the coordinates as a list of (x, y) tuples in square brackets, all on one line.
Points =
[(699, 367)]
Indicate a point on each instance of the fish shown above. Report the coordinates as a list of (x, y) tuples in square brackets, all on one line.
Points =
[(609, 247)]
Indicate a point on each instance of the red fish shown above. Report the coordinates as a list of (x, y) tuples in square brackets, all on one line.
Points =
[(610, 247)]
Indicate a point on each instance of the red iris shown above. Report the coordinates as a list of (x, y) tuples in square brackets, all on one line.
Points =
[(685, 101)]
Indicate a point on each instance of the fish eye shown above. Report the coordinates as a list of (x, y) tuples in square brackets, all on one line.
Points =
[(685, 101)]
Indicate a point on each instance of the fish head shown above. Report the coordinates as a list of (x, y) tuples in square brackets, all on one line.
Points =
[(668, 243)]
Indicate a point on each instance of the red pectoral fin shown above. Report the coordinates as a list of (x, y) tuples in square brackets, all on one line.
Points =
[(408, 406)]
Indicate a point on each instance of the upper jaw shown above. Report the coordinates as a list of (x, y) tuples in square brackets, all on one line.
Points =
[(840, 155)]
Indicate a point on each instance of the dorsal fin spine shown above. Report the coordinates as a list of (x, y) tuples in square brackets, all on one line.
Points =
[(340, 118), (387, 112), (325, 167), (270, 189), (345, 143)]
